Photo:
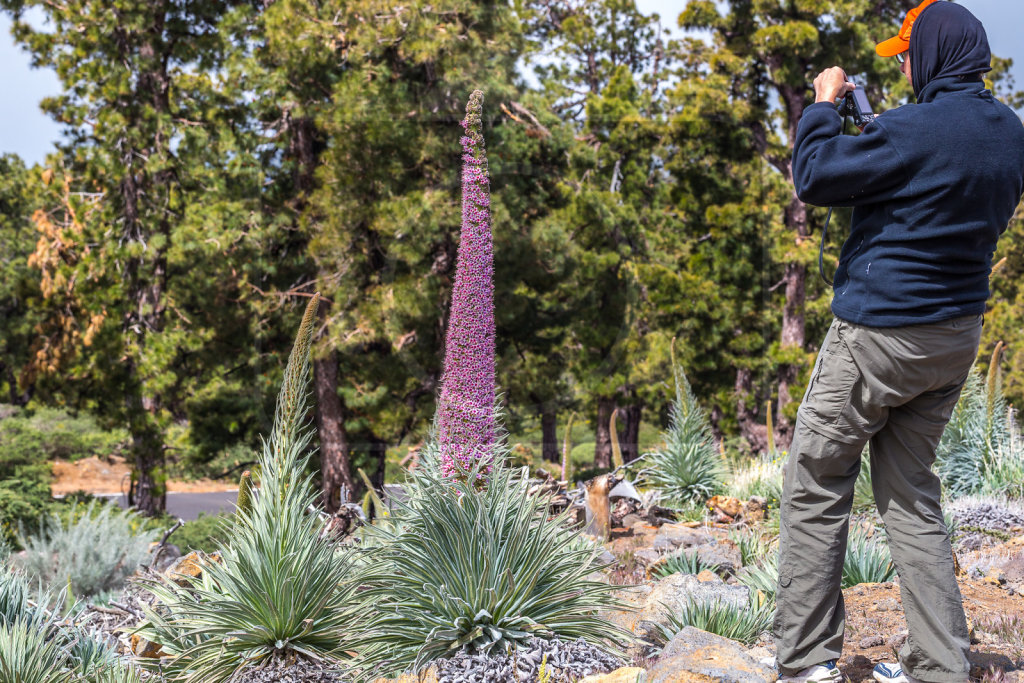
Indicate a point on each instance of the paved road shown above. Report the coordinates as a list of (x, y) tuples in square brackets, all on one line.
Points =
[(189, 505)]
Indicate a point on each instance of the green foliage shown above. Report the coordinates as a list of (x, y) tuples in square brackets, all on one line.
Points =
[(762, 576), (688, 467), (743, 623), (981, 449), (758, 476), (481, 570), (55, 434), (863, 495), (867, 560), (753, 545), (283, 588), (35, 646), (92, 552), (24, 476), (683, 562), (204, 533)]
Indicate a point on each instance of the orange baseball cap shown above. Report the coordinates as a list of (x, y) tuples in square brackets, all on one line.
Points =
[(901, 41)]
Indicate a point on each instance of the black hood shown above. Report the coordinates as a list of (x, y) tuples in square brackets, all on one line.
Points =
[(947, 41)]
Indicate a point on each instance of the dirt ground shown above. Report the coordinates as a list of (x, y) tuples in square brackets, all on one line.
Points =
[(111, 475), (875, 628), (991, 582)]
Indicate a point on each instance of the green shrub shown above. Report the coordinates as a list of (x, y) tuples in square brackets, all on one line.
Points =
[(52, 433), (205, 533), (1004, 468), (583, 454), (688, 467), (93, 551), (481, 570), (23, 502), (283, 589), (683, 562), (743, 623)]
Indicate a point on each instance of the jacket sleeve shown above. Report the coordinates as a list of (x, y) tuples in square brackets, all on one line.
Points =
[(830, 169)]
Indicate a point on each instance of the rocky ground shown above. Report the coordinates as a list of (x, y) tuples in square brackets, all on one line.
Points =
[(990, 548), (989, 545)]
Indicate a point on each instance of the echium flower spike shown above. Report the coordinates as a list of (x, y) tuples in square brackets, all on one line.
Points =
[(465, 412), (288, 438)]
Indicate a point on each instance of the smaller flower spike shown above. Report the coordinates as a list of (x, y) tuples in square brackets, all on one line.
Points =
[(465, 413)]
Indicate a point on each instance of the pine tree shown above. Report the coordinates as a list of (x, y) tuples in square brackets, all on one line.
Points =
[(144, 205)]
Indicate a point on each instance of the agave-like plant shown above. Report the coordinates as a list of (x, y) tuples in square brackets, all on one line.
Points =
[(867, 560), (283, 589), (683, 562), (754, 546), (863, 495), (37, 647), (762, 576), (981, 450), (688, 467), (743, 623), (464, 567)]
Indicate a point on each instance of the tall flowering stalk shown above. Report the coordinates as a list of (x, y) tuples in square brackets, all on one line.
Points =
[(465, 413)]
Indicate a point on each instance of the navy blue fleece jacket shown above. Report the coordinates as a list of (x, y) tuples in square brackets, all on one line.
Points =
[(933, 184)]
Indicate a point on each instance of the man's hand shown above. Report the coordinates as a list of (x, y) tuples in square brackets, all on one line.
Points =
[(831, 84)]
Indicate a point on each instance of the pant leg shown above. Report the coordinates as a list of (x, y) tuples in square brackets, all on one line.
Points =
[(862, 375), (820, 473), (907, 493)]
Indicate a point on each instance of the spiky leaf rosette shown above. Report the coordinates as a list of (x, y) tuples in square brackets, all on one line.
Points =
[(282, 589), (465, 411), (687, 468), (480, 570), (981, 450)]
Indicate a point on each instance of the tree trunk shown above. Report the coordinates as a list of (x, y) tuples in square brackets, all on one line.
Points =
[(549, 436), (751, 428), (149, 487), (629, 439), (795, 276), (335, 463), (603, 445)]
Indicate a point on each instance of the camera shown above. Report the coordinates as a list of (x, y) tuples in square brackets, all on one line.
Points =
[(855, 105)]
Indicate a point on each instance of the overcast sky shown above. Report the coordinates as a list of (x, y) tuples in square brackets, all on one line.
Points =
[(27, 132)]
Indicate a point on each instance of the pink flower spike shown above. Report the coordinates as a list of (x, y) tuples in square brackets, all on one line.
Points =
[(465, 411)]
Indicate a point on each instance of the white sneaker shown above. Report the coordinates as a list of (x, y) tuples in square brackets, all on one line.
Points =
[(892, 673), (826, 672)]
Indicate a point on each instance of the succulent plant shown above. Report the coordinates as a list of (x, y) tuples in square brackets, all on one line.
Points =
[(283, 589)]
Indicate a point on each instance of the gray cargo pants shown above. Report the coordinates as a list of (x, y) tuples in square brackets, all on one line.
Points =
[(895, 388)]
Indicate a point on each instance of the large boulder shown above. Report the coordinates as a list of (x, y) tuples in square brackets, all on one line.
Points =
[(694, 655)]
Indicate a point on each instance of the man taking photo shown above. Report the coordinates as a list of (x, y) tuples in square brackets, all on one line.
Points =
[(933, 185)]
